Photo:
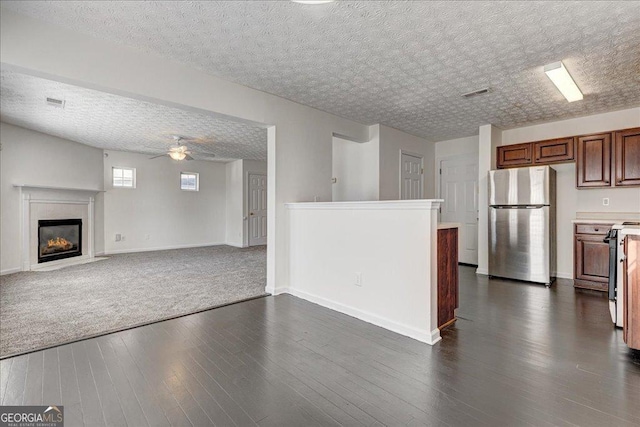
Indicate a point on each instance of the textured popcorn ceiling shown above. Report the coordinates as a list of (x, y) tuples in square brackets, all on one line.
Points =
[(403, 64), (117, 123)]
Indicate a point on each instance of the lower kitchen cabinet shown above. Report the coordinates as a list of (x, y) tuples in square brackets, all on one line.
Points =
[(591, 257), (447, 276), (631, 285)]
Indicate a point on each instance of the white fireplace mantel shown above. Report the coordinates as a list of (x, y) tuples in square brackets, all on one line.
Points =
[(48, 187), (37, 197)]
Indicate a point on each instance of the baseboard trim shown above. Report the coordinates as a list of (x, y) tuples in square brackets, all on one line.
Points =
[(10, 271), (427, 337), (559, 275), (234, 245), (276, 291), (163, 248)]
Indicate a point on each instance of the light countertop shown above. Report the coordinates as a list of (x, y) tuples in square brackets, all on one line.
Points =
[(635, 230), (446, 225), (605, 217), (597, 221)]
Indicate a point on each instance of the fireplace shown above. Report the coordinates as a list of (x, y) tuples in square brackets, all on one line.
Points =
[(59, 238)]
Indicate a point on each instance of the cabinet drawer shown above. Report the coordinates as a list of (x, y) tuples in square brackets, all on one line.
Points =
[(593, 228)]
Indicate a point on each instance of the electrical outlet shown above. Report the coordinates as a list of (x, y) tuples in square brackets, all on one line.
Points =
[(316, 198), (358, 281), (605, 201), (147, 237), (118, 237), (123, 237)]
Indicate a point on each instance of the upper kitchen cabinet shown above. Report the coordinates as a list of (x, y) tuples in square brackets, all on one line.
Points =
[(536, 153), (514, 155), (627, 157), (553, 151), (593, 167)]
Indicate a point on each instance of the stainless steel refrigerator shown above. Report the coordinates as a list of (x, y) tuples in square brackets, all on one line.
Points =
[(522, 224)]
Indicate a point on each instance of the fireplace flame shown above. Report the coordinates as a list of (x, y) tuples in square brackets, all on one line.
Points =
[(59, 243)]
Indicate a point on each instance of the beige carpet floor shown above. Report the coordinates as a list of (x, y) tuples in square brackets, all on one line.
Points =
[(41, 309)]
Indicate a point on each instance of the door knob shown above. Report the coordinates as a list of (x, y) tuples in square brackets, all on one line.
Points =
[(251, 213)]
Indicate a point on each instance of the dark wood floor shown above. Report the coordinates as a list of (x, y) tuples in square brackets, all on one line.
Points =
[(520, 355)]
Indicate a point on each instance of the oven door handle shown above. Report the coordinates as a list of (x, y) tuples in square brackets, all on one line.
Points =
[(612, 241)]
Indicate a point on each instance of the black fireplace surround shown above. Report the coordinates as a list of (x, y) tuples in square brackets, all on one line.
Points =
[(59, 239)]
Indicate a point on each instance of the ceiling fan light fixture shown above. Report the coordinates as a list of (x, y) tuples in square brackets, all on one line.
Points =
[(177, 155), (560, 77)]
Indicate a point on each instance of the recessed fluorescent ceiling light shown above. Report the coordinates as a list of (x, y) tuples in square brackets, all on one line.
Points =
[(563, 81), (313, 1)]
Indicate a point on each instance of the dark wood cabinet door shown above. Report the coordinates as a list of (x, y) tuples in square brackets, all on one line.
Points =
[(514, 155), (593, 168), (591, 262), (553, 151), (631, 289), (447, 276), (627, 157)]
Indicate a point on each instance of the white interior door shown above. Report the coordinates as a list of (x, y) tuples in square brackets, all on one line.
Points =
[(459, 189), (257, 209), (410, 177)]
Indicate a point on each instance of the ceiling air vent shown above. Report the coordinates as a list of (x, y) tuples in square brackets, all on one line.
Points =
[(476, 93), (53, 102)]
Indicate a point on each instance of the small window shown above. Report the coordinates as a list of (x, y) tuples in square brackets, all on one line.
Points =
[(189, 181), (124, 177)]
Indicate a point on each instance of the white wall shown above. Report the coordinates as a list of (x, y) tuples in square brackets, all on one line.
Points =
[(332, 242), (392, 141), (234, 235), (489, 138), (157, 214), (579, 126), (34, 158), (570, 200), (456, 147), (371, 170), (237, 233), (299, 145), (356, 169)]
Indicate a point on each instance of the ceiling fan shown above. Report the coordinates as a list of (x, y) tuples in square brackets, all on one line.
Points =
[(179, 151)]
